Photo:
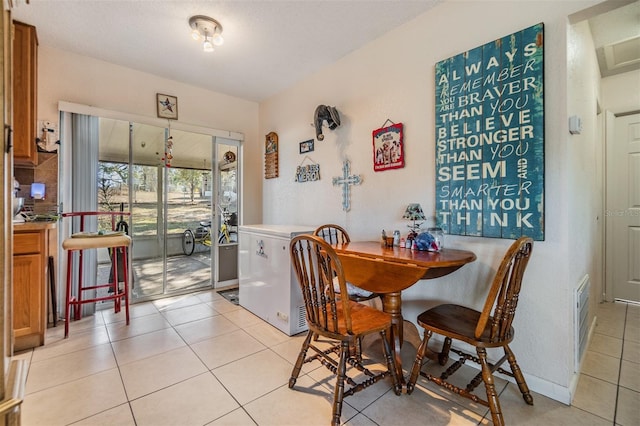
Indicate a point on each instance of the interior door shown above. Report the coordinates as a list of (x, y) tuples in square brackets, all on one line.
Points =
[(623, 207)]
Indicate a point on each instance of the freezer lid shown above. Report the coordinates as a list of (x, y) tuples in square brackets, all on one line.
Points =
[(284, 231)]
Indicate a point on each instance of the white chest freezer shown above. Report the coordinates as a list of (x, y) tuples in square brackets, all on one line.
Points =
[(268, 286)]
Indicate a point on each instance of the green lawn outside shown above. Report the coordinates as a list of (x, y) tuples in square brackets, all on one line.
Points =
[(182, 214)]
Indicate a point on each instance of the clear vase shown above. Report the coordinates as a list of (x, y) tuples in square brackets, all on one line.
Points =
[(438, 236)]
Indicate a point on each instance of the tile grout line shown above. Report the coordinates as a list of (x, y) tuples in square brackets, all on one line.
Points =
[(626, 319), (624, 327), (124, 388), (209, 370)]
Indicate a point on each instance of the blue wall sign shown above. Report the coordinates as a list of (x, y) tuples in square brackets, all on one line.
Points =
[(490, 138)]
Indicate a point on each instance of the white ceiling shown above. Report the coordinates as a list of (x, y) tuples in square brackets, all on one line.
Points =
[(269, 45)]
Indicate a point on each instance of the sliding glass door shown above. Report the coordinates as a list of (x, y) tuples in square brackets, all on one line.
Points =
[(189, 211), (227, 178), (181, 185), (164, 177)]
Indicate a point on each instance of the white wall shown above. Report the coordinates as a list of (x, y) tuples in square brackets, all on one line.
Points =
[(586, 164), (63, 76), (621, 93), (393, 78)]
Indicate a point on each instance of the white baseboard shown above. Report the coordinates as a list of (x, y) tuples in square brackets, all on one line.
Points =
[(550, 390), (555, 391)]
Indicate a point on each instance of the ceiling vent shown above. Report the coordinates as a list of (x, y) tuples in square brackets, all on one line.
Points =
[(619, 57)]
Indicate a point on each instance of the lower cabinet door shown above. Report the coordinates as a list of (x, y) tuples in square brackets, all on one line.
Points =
[(27, 296)]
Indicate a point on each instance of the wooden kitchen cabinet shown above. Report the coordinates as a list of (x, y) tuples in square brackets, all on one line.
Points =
[(28, 299), (30, 285), (25, 82)]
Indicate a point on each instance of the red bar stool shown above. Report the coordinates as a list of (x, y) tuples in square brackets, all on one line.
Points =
[(118, 243)]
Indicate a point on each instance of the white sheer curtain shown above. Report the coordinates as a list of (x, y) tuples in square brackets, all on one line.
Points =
[(79, 189)]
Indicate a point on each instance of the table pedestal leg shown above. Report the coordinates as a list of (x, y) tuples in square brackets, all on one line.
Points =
[(392, 304)]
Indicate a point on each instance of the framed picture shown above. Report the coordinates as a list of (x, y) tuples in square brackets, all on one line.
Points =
[(306, 146), (388, 149), (167, 106)]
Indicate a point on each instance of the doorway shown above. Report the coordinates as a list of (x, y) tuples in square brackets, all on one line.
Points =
[(227, 179), (623, 207)]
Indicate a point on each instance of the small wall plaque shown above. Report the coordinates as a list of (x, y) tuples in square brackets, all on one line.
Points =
[(271, 156), (308, 173), (388, 149), (167, 106)]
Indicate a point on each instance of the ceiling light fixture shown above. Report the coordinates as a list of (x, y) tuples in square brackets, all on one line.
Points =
[(208, 30)]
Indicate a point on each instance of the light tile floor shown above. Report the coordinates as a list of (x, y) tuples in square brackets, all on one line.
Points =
[(200, 360)]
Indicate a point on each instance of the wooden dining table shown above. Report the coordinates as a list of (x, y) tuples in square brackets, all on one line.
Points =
[(373, 266)]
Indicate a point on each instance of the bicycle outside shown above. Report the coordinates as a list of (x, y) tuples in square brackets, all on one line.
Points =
[(202, 235), (227, 234)]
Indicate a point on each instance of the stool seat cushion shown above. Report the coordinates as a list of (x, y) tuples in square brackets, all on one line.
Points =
[(82, 243)]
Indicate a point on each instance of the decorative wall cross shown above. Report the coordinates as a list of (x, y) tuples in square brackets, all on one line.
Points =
[(346, 181)]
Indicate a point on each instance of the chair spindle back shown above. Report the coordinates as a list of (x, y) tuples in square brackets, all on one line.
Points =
[(333, 234), (316, 264), (505, 290)]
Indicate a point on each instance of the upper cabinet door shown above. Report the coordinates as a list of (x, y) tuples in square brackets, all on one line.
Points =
[(25, 79)]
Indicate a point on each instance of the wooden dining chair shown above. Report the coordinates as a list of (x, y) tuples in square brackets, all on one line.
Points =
[(335, 234), (338, 319), (490, 328)]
